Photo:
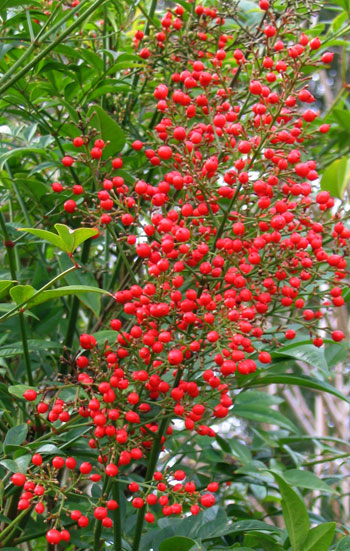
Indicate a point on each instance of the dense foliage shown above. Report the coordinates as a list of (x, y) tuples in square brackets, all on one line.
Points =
[(175, 279)]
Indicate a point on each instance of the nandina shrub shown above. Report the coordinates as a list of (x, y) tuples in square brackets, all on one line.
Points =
[(227, 252)]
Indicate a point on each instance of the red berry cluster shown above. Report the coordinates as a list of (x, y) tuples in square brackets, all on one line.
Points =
[(230, 237)]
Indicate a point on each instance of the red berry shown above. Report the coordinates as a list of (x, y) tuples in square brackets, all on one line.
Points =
[(37, 459), (53, 536), (207, 500), (338, 336), (57, 187), (70, 206), (67, 161), (30, 395), (18, 479), (78, 142)]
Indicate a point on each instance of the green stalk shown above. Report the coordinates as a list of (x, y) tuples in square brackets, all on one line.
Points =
[(12, 525), (41, 290), (6, 83), (22, 325), (75, 303), (117, 526), (152, 463)]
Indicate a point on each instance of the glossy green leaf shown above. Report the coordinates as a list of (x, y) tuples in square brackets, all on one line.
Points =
[(16, 435), (66, 239), (109, 130), (19, 390), (20, 152), (34, 345), (336, 177), (320, 537), (295, 514), (306, 479), (305, 352), (74, 238), (5, 285), (298, 380), (344, 544), (177, 543), (263, 414), (21, 293), (65, 291)]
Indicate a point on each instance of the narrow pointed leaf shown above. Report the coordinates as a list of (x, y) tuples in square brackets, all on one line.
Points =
[(320, 537), (295, 514)]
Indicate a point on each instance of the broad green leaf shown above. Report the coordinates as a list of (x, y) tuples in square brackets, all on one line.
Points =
[(295, 514), (265, 542), (48, 448), (305, 352), (177, 543), (16, 435), (19, 390), (5, 284), (66, 236), (109, 129), (20, 151), (17, 465), (67, 239), (21, 293), (34, 345), (344, 544), (298, 380), (320, 537), (306, 479), (65, 291), (73, 238), (336, 177), (338, 21), (254, 396), (47, 236), (263, 414)]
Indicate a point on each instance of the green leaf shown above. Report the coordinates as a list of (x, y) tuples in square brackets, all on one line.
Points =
[(336, 177), (295, 514), (21, 293), (47, 236), (338, 21), (177, 543), (320, 537), (109, 129), (34, 345), (17, 465), (5, 284), (73, 238), (298, 380), (65, 291), (263, 414), (20, 151), (16, 435), (19, 390), (306, 479), (67, 239), (344, 544), (305, 352)]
